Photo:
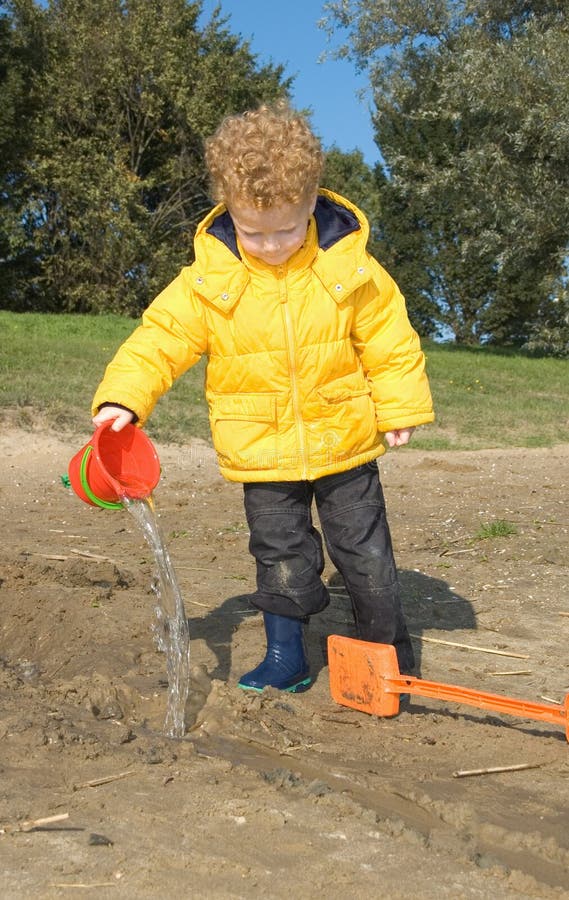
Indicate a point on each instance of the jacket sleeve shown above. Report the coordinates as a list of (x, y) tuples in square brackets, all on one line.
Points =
[(391, 355), (171, 338)]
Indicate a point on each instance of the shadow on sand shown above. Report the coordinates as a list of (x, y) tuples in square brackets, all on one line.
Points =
[(428, 603)]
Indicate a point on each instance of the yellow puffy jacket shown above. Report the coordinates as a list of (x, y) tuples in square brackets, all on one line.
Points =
[(309, 363)]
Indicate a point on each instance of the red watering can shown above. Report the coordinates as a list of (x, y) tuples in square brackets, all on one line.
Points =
[(113, 466)]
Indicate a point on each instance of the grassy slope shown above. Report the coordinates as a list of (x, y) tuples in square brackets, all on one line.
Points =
[(50, 366)]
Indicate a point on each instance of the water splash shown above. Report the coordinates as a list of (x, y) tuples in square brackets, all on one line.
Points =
[(171, 627)]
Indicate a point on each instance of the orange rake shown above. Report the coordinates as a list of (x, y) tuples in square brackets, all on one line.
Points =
[(366, 677)]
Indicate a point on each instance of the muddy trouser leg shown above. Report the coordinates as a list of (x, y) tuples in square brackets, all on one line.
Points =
[(287, 549), (352, 513)]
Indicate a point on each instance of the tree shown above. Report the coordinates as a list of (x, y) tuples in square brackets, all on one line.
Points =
[(21, 56), (472, 100), (115, 181)]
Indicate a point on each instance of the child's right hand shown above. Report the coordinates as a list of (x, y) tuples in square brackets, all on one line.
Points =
[(121, 416)]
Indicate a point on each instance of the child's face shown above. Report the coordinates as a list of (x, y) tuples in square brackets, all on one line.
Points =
[(272, 235)]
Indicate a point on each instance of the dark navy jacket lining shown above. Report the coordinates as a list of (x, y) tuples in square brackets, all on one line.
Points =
[(223, 229), (333, 222)]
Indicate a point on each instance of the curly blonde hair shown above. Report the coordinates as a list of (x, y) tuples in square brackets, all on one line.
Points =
[(264, 158)]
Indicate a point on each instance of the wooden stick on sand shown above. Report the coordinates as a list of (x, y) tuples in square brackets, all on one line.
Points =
[(517, 672), (470, 647), (81, 884), (88, 555), (463, 773), (106, 780), (30, 824)]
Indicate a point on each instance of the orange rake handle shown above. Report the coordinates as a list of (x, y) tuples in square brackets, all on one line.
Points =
[(544, 712), (366, 677)]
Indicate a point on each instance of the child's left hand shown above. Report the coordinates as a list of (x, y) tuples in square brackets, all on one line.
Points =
[(399, 437)]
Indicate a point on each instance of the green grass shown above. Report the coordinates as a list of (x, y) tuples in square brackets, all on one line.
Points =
[(50, 366), (499, 528), (488, 398)]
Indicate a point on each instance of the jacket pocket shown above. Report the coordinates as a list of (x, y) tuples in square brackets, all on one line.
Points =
[(345, 417), (244, 430), (338, 394), (244, 407), (343, 389)]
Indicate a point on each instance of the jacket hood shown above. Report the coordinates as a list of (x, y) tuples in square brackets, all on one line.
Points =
[(337, 227), (335, 218)]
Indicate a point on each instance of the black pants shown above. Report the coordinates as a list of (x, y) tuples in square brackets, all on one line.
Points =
[(290, 560)]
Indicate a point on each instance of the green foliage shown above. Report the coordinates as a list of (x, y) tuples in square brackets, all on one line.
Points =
[(113, 184), (105, 104), (21, 60), (472, 119), (549, 333)]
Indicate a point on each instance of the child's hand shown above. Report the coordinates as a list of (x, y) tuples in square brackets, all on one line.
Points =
[(121, 416), (399, 437)]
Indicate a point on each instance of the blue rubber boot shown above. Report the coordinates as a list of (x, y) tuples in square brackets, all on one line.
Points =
[(285, 665)]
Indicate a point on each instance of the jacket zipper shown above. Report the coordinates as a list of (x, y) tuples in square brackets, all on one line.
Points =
[(290, 345)]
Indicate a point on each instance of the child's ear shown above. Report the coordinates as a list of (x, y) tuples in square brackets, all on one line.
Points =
[(312, 206)]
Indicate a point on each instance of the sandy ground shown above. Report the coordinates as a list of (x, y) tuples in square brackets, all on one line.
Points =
[(276, 795)]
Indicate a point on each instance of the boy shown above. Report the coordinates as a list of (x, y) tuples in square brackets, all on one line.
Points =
[(312, 366)]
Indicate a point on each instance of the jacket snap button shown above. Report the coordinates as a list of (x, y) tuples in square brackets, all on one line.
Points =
[(225, 296), (361, 270), (199, 280), (338, 287)]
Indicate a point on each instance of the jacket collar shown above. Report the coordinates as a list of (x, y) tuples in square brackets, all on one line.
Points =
[(335, 247)]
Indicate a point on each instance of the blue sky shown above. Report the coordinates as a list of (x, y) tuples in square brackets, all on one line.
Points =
[(287, 33)]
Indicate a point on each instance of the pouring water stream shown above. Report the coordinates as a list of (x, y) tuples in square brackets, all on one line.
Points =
[(171, 627)]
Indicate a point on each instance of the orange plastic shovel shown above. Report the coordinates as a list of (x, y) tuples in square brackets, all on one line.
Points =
[(366, 677)]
